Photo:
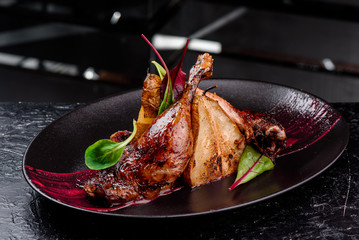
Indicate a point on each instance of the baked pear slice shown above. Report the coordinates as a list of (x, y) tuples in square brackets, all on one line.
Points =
[(218, 143)]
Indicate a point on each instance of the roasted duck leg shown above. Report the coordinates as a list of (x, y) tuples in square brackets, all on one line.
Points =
[(157, 158)]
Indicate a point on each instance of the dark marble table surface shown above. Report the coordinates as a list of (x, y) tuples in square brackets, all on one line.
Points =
[(326, 207)]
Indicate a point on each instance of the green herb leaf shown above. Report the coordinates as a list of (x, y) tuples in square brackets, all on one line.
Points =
[(173, 81), (106, 153), (161, 71), (251, 164), (168, 99)]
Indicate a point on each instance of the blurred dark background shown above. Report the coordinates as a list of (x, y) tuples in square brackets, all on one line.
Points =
[(79, 51)]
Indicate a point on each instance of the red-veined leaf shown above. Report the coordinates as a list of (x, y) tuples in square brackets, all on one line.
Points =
[(178, 78), (251, 164)]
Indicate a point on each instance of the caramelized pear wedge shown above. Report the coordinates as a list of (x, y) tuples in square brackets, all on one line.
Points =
[(218, 143)]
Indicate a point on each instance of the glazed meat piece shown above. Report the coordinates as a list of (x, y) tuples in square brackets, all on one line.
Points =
[(157, 158), (264, 131), (150, 103)]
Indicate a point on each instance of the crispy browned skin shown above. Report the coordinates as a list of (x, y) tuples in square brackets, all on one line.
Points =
[(264, 131), (159, 156), (150, 99), (150, 103)]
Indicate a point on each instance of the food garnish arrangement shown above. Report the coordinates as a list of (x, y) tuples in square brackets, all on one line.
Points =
[(183, 136)]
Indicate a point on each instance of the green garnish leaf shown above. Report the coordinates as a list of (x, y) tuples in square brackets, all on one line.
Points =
[(251, 164), (105, 153), (161, 71), (168, 99), (173, 81)]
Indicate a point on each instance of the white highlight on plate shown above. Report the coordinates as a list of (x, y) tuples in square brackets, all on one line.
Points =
[(59, 67), (328, 64), (219, 23), (90, 74), (115, 17), (168, 42), (10, 59), (30, 63)]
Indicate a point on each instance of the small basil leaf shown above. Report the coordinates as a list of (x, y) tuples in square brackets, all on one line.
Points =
[(161, 71), (105, 153), (168, 99), (251, 164)]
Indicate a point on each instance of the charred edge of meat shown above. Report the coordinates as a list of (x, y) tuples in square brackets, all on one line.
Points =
[(120, 136), (266, 132)]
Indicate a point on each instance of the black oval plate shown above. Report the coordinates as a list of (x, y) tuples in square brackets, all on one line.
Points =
[(60, 146)]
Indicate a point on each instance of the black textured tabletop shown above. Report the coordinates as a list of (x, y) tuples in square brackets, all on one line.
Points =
[(326, 207)]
